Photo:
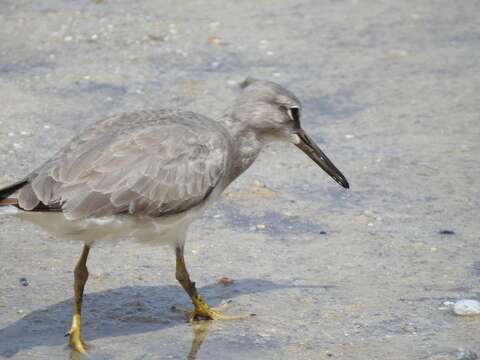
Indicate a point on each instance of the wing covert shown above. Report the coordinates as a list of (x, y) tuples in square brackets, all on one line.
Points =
[(165, 168)]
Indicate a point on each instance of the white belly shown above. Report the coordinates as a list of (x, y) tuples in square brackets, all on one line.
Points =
[(163, 230)]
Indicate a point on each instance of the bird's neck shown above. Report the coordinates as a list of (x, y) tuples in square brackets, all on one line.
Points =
[(246, 144)]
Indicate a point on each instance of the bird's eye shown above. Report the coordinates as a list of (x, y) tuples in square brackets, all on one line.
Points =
[(294, 114)]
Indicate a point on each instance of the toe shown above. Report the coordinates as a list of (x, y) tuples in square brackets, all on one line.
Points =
[(76, 341), (78, 346)]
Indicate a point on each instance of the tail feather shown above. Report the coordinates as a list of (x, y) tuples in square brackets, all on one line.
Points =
[(7, 191)]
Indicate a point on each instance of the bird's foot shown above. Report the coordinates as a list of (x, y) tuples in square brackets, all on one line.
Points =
[(202, 311), (74, 338)]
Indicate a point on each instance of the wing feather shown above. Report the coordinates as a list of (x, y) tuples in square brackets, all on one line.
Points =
[(166, 163)]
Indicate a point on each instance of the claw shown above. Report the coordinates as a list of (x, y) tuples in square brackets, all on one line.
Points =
[(203, 311), (214, 314)]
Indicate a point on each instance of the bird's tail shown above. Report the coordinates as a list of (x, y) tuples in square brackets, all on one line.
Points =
[(10, 189)]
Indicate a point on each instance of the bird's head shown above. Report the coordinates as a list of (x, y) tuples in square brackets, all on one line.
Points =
[(273, 113)]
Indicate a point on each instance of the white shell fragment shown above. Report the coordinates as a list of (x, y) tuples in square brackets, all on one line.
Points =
[(467, 307)]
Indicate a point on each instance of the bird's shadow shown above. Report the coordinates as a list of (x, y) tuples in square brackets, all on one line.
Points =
[(120, 312)]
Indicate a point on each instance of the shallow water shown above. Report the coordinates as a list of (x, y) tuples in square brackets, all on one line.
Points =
[(390, 93)]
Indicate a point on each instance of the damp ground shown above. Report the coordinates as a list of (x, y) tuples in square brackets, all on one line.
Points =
[(390, 92)]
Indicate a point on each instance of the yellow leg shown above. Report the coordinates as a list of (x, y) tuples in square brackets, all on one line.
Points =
[(201, 309), (81, 276)]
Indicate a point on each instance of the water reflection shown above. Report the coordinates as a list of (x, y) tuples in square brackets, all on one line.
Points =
[(200, 331), (74, 355), (124, 311)]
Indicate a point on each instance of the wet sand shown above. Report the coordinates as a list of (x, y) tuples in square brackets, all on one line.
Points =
[(390, 92)]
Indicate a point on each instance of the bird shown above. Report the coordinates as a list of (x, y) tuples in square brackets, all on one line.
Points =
[(148, 175)]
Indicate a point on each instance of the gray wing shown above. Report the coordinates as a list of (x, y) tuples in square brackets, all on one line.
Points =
[(143, 163)]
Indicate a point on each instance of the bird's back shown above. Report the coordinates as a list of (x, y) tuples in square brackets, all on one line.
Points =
[(149, 163)]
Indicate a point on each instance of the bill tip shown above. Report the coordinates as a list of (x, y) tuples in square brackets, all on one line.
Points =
[(344, 183)]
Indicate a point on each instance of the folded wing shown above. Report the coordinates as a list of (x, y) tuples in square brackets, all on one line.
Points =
[(164, 164)]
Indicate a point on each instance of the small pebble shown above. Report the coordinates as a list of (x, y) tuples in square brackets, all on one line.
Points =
[(467, 307), (410, 328), (259, 183), (23, 281), (213, 40), (399, 53), (225, 281), (156, 38)]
